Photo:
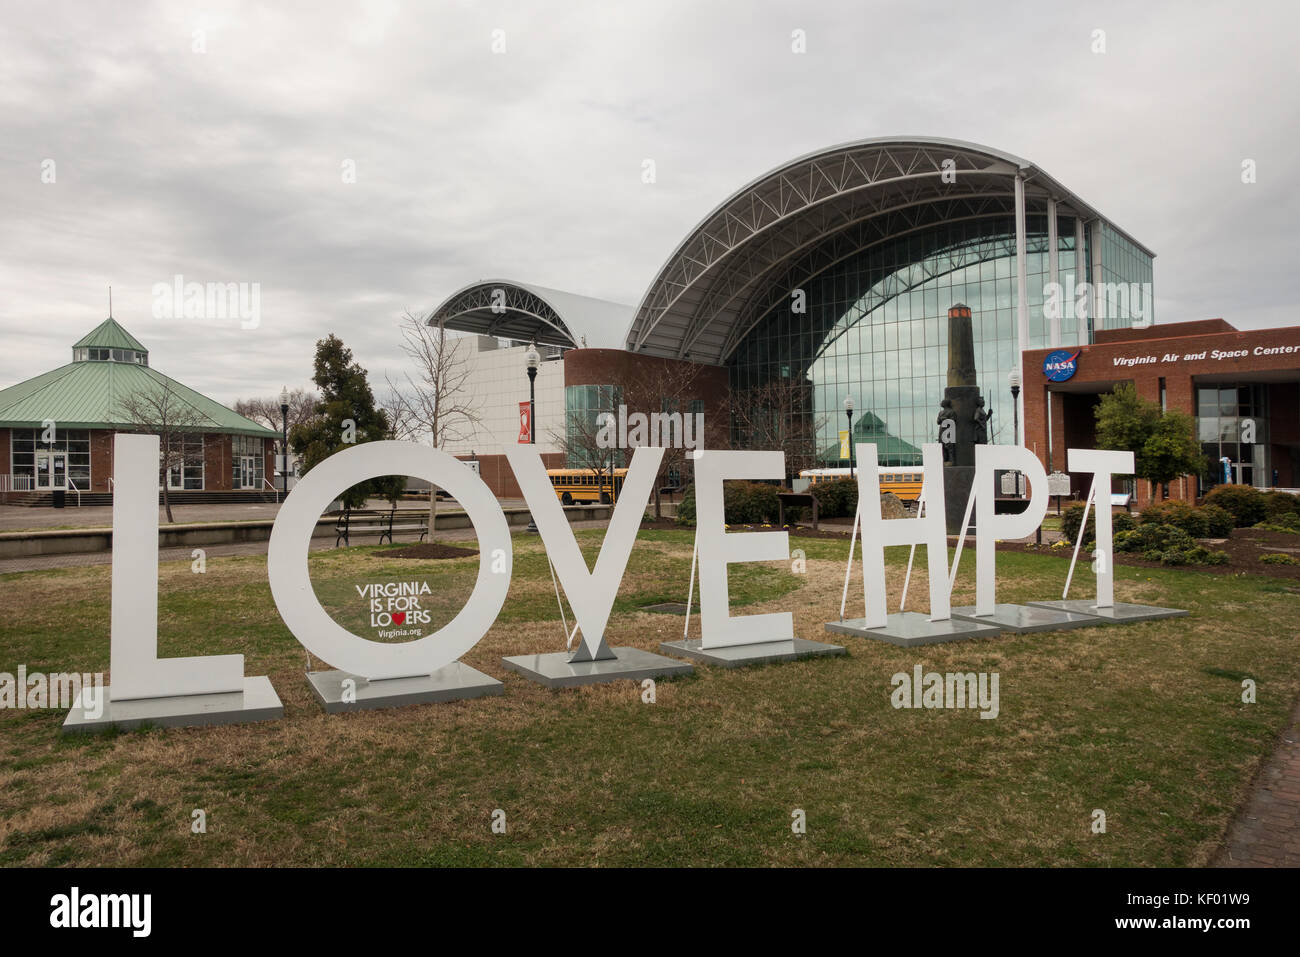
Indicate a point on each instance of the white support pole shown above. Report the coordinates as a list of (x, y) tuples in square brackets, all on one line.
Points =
[(853, 540), (1096, 304), (690, 591), (1053, 269), (1081, 275), (1083, 526), (920, 509), (563, 621), (961, 539)]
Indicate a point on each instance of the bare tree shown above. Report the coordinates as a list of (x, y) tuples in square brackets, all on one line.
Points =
[(584, 442), (669, 390), (435, 406), (162, 410), (779, 414), (266, 410)]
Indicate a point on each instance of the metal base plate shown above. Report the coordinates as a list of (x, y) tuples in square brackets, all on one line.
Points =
[(453, 682), (257, 702), (910, 628), (666, 608), (555, 671), (1022, 619), (736, 656), (1121, 611)]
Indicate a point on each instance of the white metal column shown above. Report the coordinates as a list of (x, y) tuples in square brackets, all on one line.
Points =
[(1081, 276), (1096, 302), (1022, 295), (1053, 271)]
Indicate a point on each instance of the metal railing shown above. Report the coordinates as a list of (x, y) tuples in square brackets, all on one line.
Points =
[(271, 485), (73, 485), (15, 483)]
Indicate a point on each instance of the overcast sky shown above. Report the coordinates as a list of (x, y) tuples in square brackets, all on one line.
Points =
[(211, 141)]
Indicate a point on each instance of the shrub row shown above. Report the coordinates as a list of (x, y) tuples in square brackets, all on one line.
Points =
[(744, 503), (1278, 558), (1249, 506), (837, 498), (1072, 516), (1167, 544)]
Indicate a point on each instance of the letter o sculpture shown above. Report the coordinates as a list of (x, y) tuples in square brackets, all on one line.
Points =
[(286, 561)]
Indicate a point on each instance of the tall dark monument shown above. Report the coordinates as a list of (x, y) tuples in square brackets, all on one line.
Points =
[(963, 419)]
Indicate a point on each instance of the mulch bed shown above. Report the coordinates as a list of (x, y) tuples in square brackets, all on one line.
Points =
[(1245, 548), (800, 531), (428, 550)]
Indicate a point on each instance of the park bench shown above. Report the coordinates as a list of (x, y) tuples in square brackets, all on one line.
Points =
[(365, 521)]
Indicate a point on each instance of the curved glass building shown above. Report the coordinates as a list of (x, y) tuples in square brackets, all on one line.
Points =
[(834, 274), (828, 277)]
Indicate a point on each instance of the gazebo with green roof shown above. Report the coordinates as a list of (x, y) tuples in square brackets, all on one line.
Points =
[(56, 429)]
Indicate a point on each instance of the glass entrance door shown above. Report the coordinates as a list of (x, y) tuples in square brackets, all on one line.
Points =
[(248, 471), (51, 470)]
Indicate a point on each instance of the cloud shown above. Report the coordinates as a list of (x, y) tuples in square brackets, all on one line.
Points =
[(227, 165)]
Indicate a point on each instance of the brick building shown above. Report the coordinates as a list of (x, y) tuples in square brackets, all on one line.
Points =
[(1243, 388), (56, 430)]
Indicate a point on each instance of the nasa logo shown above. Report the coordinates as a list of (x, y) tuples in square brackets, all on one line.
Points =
[(1061, 365)]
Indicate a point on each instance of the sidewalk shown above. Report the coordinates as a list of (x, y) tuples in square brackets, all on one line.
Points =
[(1267, 832)]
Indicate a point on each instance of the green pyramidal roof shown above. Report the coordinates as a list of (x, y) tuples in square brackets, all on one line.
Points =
[(89, 394), (109, 335)]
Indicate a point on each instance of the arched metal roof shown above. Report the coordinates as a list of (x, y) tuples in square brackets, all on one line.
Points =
[(529, 313), (794, 221)]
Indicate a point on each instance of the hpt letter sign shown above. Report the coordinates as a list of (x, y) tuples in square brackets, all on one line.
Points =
[(138, 672)]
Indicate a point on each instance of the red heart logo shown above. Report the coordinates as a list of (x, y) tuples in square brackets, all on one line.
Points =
[(399, 617)]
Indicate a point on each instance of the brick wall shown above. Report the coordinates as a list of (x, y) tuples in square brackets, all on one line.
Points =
[(643, 380), (1143, 357), (216, 463), (496, 473), (101, 459)]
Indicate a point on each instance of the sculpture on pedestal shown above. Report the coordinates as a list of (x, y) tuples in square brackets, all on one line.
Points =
[(963, 418)]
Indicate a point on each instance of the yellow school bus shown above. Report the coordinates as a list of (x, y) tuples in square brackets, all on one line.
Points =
[(585, 485), (903, 482)]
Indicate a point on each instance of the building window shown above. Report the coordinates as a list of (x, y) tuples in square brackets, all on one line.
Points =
[(583, 407), (62, 464), (1232, 427), (187, 473)]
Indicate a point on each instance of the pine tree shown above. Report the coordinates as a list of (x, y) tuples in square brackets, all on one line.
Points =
[(344, 415)]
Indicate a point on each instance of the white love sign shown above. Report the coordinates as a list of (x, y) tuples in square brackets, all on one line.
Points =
[(138, 673)]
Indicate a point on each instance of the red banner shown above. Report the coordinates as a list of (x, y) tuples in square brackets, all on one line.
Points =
[(525, 424)]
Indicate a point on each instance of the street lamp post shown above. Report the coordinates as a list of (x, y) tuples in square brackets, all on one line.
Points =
[(848, 411), (534, 360), (284, 440), (1014, 380)]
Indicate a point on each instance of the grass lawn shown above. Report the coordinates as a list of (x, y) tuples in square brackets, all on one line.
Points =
[(1143, 721)]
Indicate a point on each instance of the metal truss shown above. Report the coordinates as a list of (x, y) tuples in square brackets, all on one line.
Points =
[(516, 313), (717, 278)]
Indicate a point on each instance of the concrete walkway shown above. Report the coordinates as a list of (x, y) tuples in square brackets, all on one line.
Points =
[(1267, 832)]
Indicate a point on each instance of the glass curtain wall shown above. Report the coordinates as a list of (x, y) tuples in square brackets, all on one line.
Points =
[(876, 328)]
